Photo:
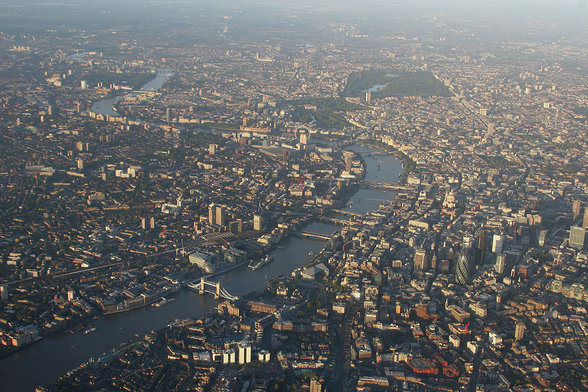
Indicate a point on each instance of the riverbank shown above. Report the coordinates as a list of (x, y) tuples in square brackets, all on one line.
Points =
[(145, 302), (408, 164), (225, 271), (107, 106), (111, 330)]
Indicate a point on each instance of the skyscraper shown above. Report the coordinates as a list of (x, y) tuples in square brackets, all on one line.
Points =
[(542, 237), (576, 210), (168, 114), (212, 214), (220, 215), (497, 243), (500, 263), (577, 237), (585, 222), (464, 265), (244, 353), (480, 247)]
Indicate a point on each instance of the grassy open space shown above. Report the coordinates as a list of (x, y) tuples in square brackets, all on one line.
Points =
[(390, 83)]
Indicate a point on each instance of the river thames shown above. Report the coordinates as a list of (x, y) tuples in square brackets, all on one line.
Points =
[(43, 362)]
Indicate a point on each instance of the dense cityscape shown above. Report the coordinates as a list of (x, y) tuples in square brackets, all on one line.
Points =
[(266, 196)]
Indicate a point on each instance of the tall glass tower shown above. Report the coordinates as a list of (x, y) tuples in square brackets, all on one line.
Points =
[(464, 265)]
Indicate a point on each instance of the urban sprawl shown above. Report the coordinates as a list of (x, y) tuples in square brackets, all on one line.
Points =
[(117, 193)]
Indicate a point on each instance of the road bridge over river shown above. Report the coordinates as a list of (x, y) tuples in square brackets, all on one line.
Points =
[(204, 286)]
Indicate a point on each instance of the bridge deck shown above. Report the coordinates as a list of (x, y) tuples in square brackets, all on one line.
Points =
[(215, 288), (309, 234)]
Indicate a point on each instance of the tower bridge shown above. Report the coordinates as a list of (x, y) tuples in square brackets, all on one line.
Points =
[(215, 288)]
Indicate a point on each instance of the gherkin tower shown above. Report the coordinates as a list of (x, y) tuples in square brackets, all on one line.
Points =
[(464, 265)]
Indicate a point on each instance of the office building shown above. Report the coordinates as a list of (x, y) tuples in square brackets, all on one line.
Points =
[(577, 237), (212, 214), (315, 385), (500, 263), (263, 356), (304, 137), (480, 247), (152, 222), (220, 215), (463, 272), (216, 215), (542, 237), (576, 210), (212, 149), (498, 243), (244, 354), (434, 262), (420, 260), (519, 331), (228, 356), (168, 114), (257, 222), (236, 226), (585, 222)]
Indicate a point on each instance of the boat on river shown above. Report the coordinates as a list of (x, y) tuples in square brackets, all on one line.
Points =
[(164, 301), (90, 330), (266, 260)]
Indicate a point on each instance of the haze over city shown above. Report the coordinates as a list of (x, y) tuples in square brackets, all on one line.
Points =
[(272, 195)]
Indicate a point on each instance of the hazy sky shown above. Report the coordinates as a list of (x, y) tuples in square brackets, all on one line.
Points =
[(439, 4), (565, 13)]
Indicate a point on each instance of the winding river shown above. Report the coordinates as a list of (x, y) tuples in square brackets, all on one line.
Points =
[(43, 362)]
